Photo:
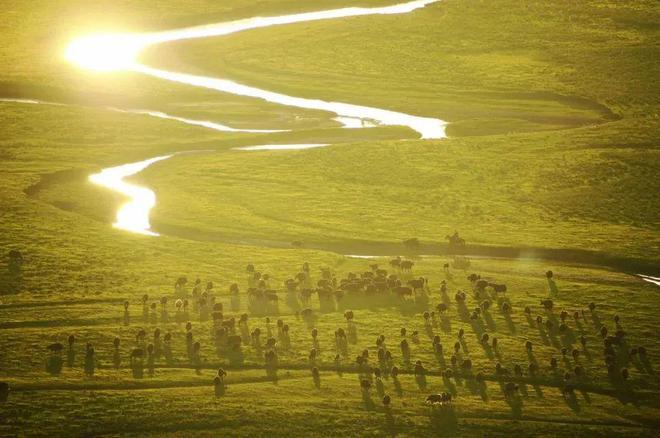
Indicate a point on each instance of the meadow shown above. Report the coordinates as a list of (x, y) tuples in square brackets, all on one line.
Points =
[(552, 146)]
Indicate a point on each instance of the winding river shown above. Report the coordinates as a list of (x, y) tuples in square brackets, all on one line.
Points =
[(133, 216)]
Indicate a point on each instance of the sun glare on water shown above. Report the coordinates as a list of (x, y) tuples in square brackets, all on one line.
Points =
[(105, 53)]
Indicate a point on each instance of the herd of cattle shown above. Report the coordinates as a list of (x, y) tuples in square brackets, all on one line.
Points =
[(332, 293)]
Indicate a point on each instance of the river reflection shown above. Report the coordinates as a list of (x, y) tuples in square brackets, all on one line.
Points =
[(133, 215)]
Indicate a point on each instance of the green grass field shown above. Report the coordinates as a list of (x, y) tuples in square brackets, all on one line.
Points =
[(552, 149)]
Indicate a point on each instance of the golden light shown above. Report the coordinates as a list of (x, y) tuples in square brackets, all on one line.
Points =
[(105, 53)]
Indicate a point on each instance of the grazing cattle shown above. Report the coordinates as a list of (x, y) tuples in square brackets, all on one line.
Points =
[(323, 283), (403, 291), (498, 288), (396, 263), (455, 241), (381, 273), (229, 324), (472, 277), (306, 313), (270, 343), (411, 243), (406, 265), (234, 342), (365, 385), (441, 399), (367, 275), (4, 391), (481, 285), (417, 284), (56, 347), (460, 297), (181, 282), (510, 390)]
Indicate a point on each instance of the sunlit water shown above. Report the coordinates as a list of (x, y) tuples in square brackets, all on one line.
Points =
[(158, 114), (134, 214), (202, 123), (355, 122), (650, 279), (428, 128), (120, 52), (231, 27), (98, 53), (281, 147)]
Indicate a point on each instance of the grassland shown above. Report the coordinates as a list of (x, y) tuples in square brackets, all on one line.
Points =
[(553, 144), (176, 398), (541, 67)]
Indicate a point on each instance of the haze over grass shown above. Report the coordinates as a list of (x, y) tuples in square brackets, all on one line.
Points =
[(554, 109)]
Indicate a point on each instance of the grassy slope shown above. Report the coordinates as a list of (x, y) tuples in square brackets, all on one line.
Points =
[(591, 187), (81, 269)]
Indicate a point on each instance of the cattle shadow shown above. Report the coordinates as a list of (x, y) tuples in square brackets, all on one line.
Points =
[(271, 374), (488, 350), (511, 326), (351, 333), (530, 321), (116, 359), (235, 302), (515, 404), (443, 421), (538, 390), (380, 388), (531, 357), (445, 324), (464, 346), (483, 391), (367, 401), (397, 386), (390, 425), (451, 387), (647, 365), (571, 401), (420, 379), (490, 322)]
